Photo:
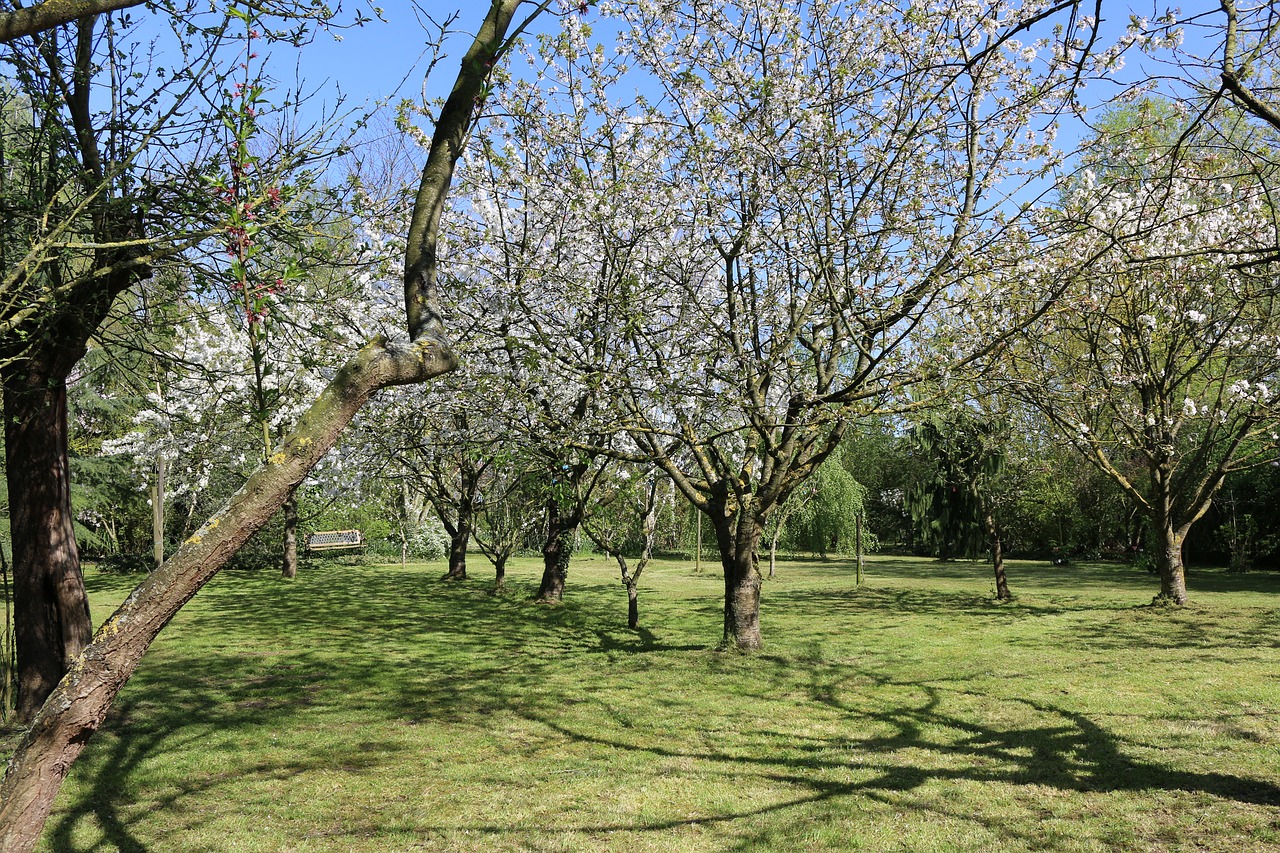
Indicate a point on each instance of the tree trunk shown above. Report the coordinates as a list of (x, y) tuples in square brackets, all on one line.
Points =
[(556, 551), (289, 563), (697, 554), (738, 542), (857, 526), (50, 607), (500, 573), (459, 538), (633, 603), (997, 560), (77, 707), (1173, 577)]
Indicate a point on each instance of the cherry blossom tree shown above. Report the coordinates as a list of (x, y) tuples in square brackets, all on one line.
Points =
[(842, 173), (543, 265), (1164, 346)]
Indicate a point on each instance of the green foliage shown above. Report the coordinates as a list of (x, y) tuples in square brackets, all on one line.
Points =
[(126, 564), (826, 509), (965, 457), (878, 457)]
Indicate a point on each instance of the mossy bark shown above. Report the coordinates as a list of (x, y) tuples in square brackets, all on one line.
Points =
[(557, 549)]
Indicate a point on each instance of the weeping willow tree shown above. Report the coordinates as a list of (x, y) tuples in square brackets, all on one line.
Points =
[(822, 515), (954, 508)]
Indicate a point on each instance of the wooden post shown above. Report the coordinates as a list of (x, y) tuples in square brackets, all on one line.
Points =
[(697, 554), (157, 512), (857, 531)]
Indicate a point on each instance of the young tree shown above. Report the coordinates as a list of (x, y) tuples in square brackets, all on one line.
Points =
[(510, 513), (626, 511)]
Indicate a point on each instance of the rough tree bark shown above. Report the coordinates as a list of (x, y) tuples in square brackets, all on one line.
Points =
[(500, 574), (78, 705), (557, 549), (51, 609), (738, 536), (1173, 574)]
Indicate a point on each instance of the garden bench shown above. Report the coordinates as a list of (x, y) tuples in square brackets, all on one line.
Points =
[(335, 540)]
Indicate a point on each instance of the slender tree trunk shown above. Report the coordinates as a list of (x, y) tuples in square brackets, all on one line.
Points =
[(773, 551), (51, 609), (997, 559), (857, 527), (556, 551), (157, 512), (289, 563), (697, 553)]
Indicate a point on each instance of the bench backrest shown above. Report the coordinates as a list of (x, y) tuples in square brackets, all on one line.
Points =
[(333, 539)]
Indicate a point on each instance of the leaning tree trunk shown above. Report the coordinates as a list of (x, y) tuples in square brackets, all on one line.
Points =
[(289, 561), (51, 609), (77, 707), (738, 542)]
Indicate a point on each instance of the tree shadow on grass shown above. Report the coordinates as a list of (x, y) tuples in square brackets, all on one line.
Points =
[(397, 642), (1067, 751)]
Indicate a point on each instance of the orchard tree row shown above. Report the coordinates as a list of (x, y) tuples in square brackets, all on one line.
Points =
[(702, 258)]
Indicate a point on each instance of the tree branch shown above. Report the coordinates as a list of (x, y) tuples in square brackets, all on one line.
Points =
[(54, 13)]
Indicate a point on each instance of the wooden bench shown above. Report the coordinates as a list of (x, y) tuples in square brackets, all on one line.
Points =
[(335, 540)]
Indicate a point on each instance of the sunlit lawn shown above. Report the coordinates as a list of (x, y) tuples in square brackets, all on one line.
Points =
[(379, 708)]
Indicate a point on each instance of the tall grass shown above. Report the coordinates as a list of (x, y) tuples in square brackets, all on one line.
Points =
[(379, 708)]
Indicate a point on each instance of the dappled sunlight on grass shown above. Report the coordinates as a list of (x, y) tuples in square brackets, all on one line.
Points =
[(378, 708)]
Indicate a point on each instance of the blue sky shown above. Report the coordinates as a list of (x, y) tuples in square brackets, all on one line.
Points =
[(387, 59)]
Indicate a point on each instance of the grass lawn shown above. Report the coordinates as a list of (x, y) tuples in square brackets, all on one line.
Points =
[(366, 708)]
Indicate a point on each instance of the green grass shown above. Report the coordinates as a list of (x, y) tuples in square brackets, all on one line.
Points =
[(379, 708)]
